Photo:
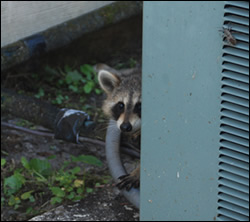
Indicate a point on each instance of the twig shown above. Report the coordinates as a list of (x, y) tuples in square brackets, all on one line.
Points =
[(26, 130), (81, 138)]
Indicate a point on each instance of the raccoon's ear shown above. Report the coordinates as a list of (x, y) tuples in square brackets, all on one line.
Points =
[(108, 81)]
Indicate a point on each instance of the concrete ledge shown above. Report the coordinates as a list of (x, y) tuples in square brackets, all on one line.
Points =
[(65, 33)]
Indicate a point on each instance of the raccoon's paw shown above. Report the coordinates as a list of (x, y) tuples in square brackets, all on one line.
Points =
[(128, 181)]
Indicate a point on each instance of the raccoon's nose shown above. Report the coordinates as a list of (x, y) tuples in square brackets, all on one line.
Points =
[(126, 127)]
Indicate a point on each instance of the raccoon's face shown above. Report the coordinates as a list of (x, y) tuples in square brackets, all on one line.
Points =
[(123, 103)]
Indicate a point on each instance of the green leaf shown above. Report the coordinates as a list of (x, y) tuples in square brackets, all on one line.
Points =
[(98, 91), (78, 198), (3, 162), (97, 184), (89, 190), (73, 88), (87, 69), (14, 201), (71, 195), (42, 167), (80, 190), (55, 200), (57, 191), (52, 157), (76, 170), (88, 87), (29, 210), (87, 159), (13, 183), (32, 199), (27, 195), (40, 93), (25, 163), (73, 77)]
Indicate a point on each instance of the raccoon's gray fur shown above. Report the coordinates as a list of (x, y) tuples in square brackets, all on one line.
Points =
[(123, 104)]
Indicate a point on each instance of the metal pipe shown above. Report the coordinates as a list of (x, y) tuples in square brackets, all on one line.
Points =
[(114, 161)]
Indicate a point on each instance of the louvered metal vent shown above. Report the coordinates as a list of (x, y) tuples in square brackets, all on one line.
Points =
[(233, 202)]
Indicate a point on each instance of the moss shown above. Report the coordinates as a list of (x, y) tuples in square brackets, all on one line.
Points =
[(13, 54), (114, 12), (109, 12)]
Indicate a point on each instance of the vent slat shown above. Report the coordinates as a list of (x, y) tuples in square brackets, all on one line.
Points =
[(235, 92), (234, 139), (243, 41), (234, 185), (229, 215), (234, 178), (236, 116), (240, 210), (234, 132), (235, 170), (235, 68), (239, 167), (234, 99), (224, 218), (240, 28), (235, 108), (237, 11), (233, 200), (237, 52), (233, 192), (235, 147), (236, 76), (233, 154), (235, 84), (228, 124), (237, 19), (236, 60), (241, 4)]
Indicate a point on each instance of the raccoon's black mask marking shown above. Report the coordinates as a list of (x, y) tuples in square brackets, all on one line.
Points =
[(137, 109), (117, 110)]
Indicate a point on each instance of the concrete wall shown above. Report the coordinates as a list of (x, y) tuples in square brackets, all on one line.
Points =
[(20, 19)]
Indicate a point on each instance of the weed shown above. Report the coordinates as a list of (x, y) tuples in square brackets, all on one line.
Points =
[(36, 180), (82, 81)]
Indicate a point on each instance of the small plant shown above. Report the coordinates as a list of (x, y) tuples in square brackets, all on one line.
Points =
[(36, 179), (40, 93), (91, 79), (63, 82)]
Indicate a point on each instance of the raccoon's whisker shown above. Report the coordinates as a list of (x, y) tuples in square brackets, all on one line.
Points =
[(137, 133)]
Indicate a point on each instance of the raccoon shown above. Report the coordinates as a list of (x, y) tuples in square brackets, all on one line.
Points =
[(123, 104)]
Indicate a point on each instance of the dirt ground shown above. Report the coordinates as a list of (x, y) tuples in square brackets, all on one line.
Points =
[(105, 203)]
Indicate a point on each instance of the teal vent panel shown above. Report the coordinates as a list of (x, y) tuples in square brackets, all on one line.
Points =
[(233, 194), (181, 103)]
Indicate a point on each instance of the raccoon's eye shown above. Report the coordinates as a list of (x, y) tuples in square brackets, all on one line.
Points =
[(137, 109), (120, 105), (117, 110)]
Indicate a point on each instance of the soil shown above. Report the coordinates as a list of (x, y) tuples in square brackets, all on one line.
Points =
[(105, 203)]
